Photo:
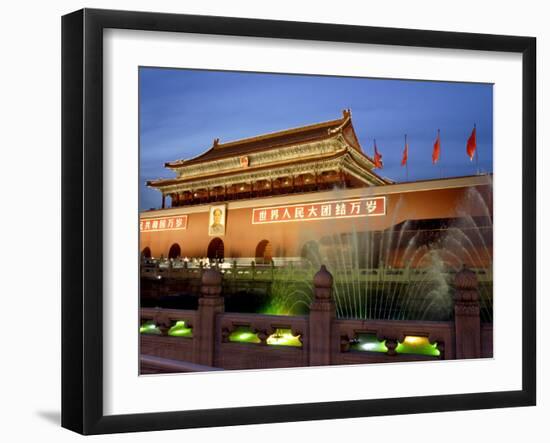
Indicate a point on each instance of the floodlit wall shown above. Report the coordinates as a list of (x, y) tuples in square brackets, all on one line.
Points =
[(437, 199)]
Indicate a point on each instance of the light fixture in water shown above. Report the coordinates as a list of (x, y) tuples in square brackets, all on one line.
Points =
[(244, 334), (368, 342), (414, 341), (284, 337), (180, 330), (417, 345), (149, 328)]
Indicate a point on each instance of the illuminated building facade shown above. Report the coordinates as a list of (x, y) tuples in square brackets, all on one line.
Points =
[(288, 195), (319, 259)]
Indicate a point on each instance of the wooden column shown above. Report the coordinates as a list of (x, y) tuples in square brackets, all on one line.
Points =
[(322, 312), (163, 201)]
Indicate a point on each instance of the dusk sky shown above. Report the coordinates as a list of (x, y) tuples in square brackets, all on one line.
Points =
[(183, 111)]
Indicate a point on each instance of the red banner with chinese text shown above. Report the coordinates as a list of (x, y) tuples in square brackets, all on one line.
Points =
[(163, 223), (362, 207)]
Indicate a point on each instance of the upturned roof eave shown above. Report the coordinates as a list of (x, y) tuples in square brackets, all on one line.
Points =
[(164, 183), (174, 181), (344, 121)]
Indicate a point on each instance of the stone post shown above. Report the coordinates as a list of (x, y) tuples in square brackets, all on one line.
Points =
[(467, 319), (321, 314), (211, 303)]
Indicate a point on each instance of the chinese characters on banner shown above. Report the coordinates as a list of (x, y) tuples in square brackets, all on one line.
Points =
[(163, 223), (362, 207)]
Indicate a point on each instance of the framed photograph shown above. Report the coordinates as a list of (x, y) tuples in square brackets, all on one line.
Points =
[(285, 214), (216, 221)]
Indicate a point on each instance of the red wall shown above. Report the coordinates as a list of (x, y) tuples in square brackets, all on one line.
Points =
[(287, 239)]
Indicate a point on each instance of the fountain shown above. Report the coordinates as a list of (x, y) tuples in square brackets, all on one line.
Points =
[(402, 273)]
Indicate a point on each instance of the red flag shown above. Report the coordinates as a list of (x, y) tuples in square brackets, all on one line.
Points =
[(377, 158), (437, 149), (471, 144), (405, 155)]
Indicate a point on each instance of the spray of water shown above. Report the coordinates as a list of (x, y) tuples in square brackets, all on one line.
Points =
[(399, 273)]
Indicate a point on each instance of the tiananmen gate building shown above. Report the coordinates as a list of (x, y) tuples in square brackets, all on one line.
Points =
[(283, 196)]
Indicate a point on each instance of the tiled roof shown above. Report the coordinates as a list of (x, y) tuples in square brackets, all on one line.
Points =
[(304, 134)]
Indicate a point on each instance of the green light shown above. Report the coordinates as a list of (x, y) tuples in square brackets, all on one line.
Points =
[(149, 328), (274, 309), (180, 330), (243, 334), (417, 345), (284, 337), (246, 336), (369, 342)]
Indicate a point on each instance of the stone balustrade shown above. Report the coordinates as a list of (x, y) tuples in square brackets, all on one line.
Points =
[(210, 337), (180, 270)]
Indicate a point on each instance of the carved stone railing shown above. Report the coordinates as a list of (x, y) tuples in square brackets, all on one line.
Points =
[(264, 326), (271, 341), (210, 305), (321, 318), (391, 333), (467, 314), (164, 319), (158, 341), (181, 270), (317, 339)]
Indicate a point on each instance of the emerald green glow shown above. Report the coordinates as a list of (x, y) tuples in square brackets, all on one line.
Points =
[(291, 291), (149, 328), (284, 337), (369, 342), (417, 345), (243, 334), (180, 330), (274, 309)]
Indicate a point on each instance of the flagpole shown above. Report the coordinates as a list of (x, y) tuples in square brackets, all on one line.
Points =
[(477, 158), (407, 162), (439, 159)]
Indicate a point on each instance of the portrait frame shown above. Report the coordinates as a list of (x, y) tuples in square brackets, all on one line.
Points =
[(217, 220), (83, 191)]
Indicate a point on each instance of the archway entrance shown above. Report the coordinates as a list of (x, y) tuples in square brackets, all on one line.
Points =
[(215, 249), (264, 253), (146, 253), (175, 251)]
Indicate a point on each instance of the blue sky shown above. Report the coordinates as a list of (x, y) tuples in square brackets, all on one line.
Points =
[(182, 111)]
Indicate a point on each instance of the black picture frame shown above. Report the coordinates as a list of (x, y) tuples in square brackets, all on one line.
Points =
[(82, 191)]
